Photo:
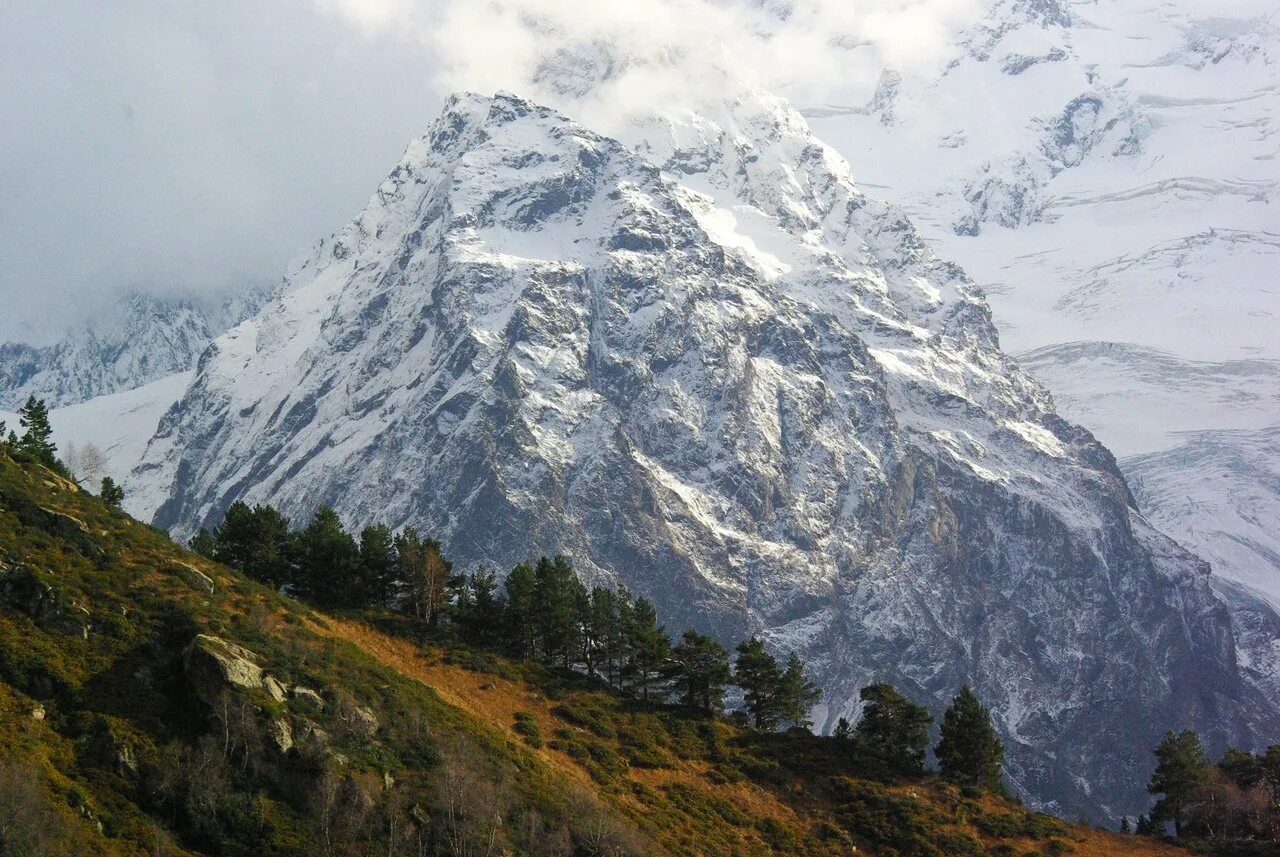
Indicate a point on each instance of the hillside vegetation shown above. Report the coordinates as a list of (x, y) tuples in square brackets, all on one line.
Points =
[(155, 702)]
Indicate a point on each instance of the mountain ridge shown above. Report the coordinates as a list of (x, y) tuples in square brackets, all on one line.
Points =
[(757, 398)]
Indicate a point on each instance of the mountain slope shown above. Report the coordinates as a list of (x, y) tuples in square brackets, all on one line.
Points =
[(1106, 171), (142, 340), (1218, 493), (154, 702), (763, 404)]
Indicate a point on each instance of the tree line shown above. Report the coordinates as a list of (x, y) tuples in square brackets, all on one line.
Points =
[(1235, 799), (543, 612), (36, 445)]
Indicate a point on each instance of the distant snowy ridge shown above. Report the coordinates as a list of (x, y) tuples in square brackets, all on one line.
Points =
[(704, 364), (1106, 171), (144, 339)]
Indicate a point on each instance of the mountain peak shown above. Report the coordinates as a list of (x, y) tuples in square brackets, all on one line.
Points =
[(716, 372)]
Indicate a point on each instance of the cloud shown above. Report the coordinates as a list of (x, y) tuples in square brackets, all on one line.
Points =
[(665, 54), (198, 146), (184, 147)]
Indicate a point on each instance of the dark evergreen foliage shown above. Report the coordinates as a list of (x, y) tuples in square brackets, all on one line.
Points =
[(699, 668), (257, 541), (328, 561), (110, 492), (893, 727), (969, 751), (1182, 768), (758, 674), (36, 442), (542, 612)]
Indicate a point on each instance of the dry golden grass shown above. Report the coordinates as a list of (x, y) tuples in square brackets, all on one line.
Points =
[(496, 700)]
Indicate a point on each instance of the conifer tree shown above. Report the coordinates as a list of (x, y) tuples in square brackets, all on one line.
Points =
[(893, 727), (1242, 768), (758, 674), (1182, 768), (969, 751), (257, 541), (843, 731), (647, 645), (558, 596), (520, 626), (110, 492), (328, 560), (596, 627), (203, 543), (480, 615), (36, 441), (700, 669), (796, 694), (377, 574)]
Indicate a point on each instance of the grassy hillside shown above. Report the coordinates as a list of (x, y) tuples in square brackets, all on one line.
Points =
[(153, 702)]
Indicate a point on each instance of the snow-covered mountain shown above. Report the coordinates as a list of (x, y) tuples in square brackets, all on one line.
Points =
[(1107, 172), (143, 339), (706, 365)]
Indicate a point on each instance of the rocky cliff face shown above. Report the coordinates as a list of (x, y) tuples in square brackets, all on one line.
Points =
[(707, 366), (143, 339)]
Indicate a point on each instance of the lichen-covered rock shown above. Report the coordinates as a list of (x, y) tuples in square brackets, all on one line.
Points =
[(306, 700), (194, 577), (212, 664), (274, 689), (280, 734)]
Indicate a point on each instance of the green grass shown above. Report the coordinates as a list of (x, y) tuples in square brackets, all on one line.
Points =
[(128, 760)]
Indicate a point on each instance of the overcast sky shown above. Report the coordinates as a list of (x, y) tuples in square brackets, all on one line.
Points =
[(172, 146), (185, 146)]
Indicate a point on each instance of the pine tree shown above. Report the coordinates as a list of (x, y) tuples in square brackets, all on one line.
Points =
[(110, 492), (480, 614), (1242, 768), (893, 727), (558, 596), (647, 645), (522, 636), (969, 751), (843, 731), (1182, 768), (796, 693), (328, 560), (758, 674), (377, 575), (596, 625), (36, 442), (203, 543), (700, 669), (1124, 824), (256, 541)]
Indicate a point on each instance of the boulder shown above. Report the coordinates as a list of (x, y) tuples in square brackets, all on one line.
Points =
[(306, 700), (212, 663), (363, 722), (281, 734), (274, 689), (193, 577)]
